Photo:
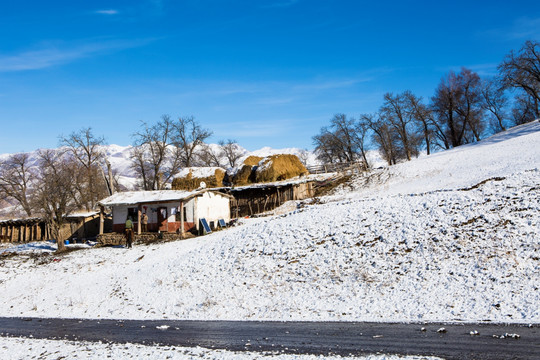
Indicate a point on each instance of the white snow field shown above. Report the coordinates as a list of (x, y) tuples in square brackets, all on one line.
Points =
[(20, 348), (427, 240)]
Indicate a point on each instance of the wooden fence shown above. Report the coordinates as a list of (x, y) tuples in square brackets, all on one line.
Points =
[(358, 166)]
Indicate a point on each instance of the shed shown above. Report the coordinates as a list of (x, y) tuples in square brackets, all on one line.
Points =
[(168, 210), (82, 225), (258, 198)]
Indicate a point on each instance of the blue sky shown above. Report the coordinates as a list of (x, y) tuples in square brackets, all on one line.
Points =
[(263, 72)]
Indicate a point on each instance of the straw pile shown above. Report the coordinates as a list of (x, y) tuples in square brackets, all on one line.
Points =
[(252, 160), (268, 169), (279, 167), (191, 178), (243, 176)]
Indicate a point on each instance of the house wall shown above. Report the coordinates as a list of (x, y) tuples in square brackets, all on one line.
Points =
[(208, 205), (212, 207)]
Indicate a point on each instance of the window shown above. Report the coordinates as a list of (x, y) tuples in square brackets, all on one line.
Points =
[(134, 214)]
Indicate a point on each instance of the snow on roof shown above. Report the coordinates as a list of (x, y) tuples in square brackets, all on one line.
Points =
[(198, 172), (137, 197), (80, 214), (293, 181), (21, 220)]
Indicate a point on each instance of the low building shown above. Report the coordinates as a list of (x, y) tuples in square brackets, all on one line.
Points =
[(23, 230), (81, 226), (167, 210), (258, 198)]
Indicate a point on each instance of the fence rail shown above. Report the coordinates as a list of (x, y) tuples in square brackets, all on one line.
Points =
[(337, 167)]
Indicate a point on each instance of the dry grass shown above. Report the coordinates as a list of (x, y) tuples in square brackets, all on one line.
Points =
[(191, 183), (243, 176), (279, 167), (252, 160), (272, 168)]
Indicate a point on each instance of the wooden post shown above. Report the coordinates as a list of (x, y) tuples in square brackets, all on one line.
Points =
[(101, 220), (84, 232), (11, 233), (182, 229), (139, 220)]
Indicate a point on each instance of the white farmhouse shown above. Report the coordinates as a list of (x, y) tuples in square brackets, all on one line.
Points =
[(167, 210)]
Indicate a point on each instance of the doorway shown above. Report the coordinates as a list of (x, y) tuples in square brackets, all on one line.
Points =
[(162, 219)]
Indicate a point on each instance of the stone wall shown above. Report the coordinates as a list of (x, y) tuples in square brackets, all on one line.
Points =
[(146, 238)]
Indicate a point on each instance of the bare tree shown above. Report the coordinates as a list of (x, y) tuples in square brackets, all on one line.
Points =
[(344, 131), (495, 102), (327, 147), (384, 137), (362, 130), (187, 135), (470, 102), (85, 148), (398, 114), (523, 110), (522, 71), (303, 156), (53, 195), (458, 110), (423, 117), (141, 166), (444, 104), (153, 158), (337, 143), (232, 151), (210, 155), (16, 178)]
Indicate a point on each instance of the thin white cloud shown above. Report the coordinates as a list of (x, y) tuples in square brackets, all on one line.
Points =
[(54, 55), (523, 28), (107, 12), (489, 69), (332, 84)]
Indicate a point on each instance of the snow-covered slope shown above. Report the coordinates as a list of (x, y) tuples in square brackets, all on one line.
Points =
[(505, 153), (416, 245)]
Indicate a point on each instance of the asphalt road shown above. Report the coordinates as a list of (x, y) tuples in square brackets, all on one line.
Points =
[(493, 341)]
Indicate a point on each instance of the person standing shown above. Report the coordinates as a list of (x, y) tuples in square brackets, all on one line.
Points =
[(129, 232), (144, 222)]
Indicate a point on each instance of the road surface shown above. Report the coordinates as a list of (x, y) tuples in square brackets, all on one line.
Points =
[(456, 341)]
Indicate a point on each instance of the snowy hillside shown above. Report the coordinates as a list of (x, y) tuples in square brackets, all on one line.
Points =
[(514, 150), (449, 237)]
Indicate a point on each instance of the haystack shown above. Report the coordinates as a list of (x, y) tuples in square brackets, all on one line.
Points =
[(279, 167), (191, 178), (252, 160), (243, 176)]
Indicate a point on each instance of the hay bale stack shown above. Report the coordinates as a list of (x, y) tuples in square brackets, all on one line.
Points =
[(191, 178), (252, 160), (243, 176), (279, 167)]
